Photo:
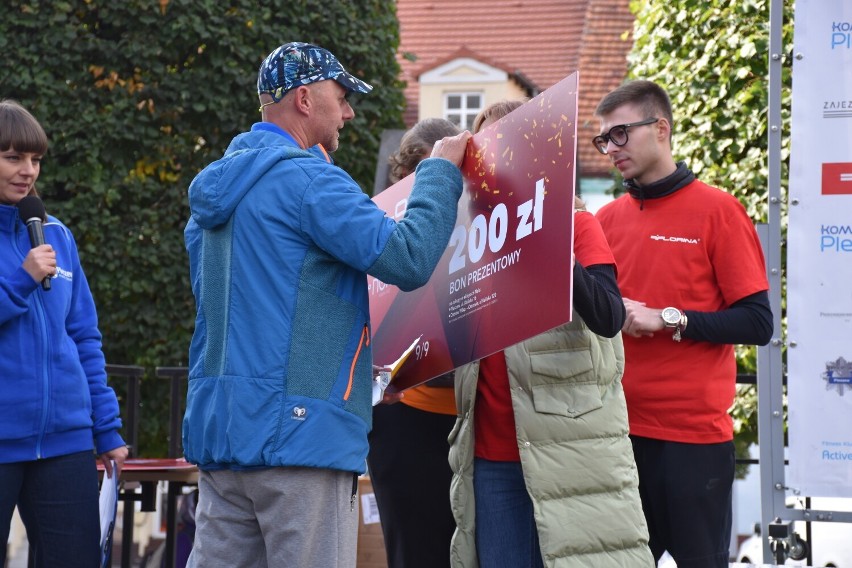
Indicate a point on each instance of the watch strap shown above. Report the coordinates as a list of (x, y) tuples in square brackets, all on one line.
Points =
[(680, 327)]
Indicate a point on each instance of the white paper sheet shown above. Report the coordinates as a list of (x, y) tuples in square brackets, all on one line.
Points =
[(108, 505)]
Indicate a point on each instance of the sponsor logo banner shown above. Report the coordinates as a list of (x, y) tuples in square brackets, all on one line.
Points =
[(837, 179)]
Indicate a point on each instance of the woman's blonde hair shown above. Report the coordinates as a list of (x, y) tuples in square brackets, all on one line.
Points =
[(494, 111)]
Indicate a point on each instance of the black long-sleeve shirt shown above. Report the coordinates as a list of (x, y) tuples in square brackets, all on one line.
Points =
[(597, 299), (745, 322)]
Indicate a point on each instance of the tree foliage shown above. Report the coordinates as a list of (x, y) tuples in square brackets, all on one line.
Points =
[(713, 58), (136, 97)]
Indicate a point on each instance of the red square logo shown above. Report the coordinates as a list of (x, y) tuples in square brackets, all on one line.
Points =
[(837, 179)]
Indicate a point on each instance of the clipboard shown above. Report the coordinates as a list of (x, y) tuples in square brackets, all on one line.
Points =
[(108, 507), (388, 372)]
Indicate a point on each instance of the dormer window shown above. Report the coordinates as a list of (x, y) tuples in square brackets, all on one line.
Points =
[(462, 108)]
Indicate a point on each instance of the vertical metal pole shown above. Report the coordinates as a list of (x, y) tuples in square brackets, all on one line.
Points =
[(175, 416), (133, 373), (173, 486), (176, 376), (127, 532), (174, 491), (769, 370)]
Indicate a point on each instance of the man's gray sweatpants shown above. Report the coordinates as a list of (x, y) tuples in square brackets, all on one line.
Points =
[(275, 517)]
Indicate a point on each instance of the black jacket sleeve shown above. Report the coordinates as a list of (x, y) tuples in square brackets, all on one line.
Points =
[(745, 322), (597, 299)]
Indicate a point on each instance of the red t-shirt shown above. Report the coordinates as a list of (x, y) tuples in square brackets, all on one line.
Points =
[(494, 420), (695, 249)]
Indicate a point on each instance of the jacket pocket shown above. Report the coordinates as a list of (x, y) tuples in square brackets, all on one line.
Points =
[(564, 383), (460, 441)]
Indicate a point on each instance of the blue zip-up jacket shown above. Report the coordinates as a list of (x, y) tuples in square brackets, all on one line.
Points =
[(54, 398), (279, 242)]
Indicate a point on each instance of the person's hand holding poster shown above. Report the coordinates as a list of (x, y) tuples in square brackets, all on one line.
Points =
[(506, 274)]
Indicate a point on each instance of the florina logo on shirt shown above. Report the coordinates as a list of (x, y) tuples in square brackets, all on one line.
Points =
[(675, 239)]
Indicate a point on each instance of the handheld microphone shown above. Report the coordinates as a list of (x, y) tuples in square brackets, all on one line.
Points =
[(31, 211)]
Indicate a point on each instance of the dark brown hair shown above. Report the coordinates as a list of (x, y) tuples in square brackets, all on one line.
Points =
[(651, 99), (20, 131), (416, 143)]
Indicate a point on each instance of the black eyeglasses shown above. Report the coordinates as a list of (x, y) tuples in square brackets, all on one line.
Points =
[(618, 134)]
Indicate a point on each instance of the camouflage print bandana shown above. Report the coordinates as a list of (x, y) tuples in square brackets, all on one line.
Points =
[(296, 63)]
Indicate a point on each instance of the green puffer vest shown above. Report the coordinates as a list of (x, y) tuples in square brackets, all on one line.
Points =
[(571, 424)]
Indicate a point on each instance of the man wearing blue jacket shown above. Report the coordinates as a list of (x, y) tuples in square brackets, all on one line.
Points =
[(280, 241)]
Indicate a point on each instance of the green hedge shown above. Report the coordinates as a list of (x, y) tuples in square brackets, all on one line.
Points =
[(136, 97)]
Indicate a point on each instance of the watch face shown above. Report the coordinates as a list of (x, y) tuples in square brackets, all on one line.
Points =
[(671, 316)]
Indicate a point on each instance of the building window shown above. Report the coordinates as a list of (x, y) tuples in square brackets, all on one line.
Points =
[(462, 108)]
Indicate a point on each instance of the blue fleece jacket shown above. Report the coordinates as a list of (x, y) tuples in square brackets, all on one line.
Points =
[(280, 241), (54, 398)]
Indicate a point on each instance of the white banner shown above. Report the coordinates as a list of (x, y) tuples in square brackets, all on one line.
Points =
[(819, 252)]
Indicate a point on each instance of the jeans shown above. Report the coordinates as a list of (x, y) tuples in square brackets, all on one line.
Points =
[(506, 535), (57, 499)]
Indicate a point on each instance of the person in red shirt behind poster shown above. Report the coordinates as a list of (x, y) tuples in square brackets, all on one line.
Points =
[(693, 277), (543, 472)]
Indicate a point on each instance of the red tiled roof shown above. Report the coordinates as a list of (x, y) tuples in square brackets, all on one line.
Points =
[(463, 51), (607, 38), (466, 52), (541, 40)]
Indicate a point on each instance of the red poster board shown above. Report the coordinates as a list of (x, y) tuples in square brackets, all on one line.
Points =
[(506, 273)]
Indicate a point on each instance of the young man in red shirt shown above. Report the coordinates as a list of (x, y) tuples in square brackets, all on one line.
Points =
[(692, 274)]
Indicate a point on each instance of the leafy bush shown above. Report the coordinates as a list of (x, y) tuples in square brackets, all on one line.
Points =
[(136, 97)]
